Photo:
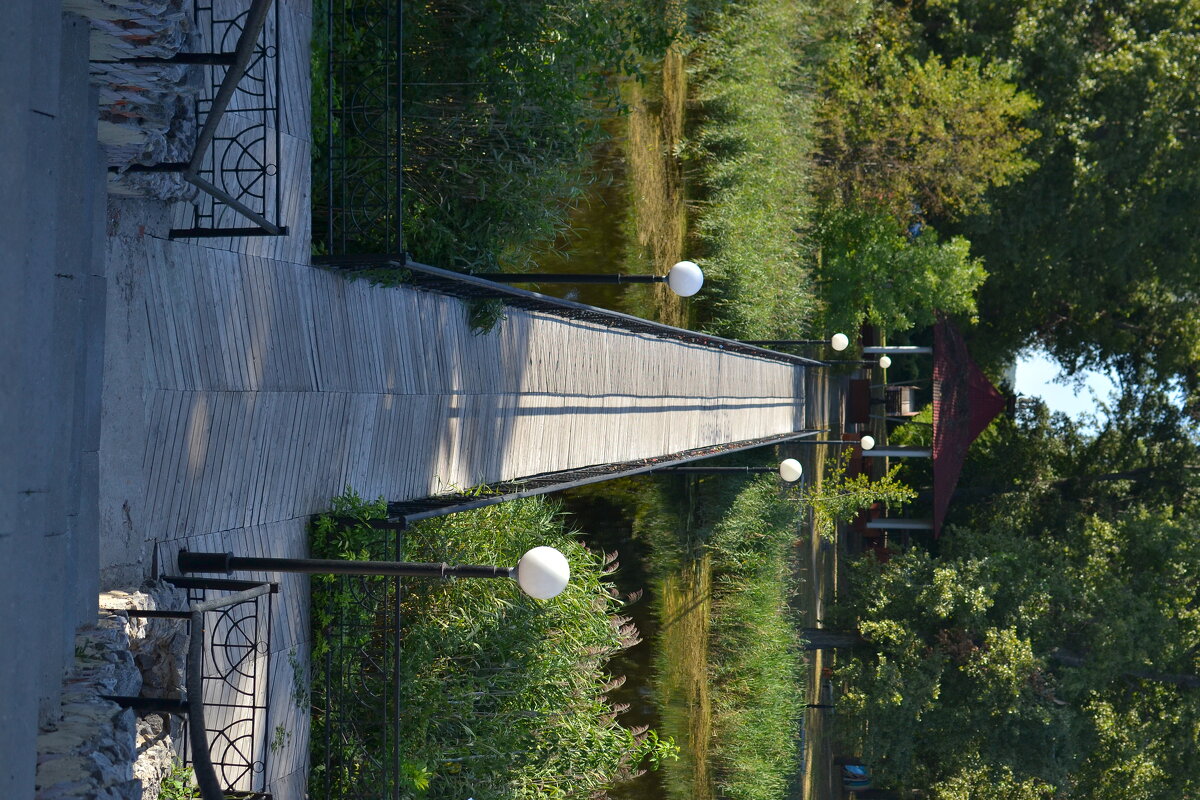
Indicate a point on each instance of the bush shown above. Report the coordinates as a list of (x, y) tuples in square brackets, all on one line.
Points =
[(500, 695)]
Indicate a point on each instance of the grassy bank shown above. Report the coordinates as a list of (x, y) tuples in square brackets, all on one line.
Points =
[(750, 146), (501, 103), (729, 672), (499, 695)]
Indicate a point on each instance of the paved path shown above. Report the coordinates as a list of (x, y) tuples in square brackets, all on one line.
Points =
[(51, 326)]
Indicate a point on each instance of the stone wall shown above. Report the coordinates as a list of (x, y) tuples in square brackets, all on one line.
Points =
[(96, 749)]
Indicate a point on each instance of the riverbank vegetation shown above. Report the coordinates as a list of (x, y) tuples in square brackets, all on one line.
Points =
[(491, 694), (729, 682)]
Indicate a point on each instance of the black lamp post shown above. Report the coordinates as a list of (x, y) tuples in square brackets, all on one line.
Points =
[(542, 572), (685, 278), (838, 342)]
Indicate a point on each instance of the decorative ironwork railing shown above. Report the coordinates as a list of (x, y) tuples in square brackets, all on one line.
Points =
[(355, 691), (235, 161), (227, 673), (234, 681), (357, 178)]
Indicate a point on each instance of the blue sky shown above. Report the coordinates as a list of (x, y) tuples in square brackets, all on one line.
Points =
[(1036, 374)]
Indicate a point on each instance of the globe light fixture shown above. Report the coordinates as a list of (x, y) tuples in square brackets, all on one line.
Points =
[(685, 278), (790, 470), (885, 362), (839, 341), (867, 442), (543, 573)]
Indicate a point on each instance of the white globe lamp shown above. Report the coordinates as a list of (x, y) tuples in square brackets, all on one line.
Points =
[(543, 573), (685, 278), (839, 341), (885, 362), (790, 470), (867, 442)]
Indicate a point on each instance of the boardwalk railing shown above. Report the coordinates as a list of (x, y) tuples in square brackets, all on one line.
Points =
[(433, 279), (358, 170), (235, 159), (401, 514), (226, 683)]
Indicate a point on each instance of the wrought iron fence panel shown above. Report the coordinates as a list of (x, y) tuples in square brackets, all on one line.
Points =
[(243, 159), (357, 188), (356, 699), (236, 674)]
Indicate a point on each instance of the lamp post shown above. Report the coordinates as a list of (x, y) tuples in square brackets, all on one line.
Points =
[(883, 362), (838, 342), (789, 470), (866, 442), (543, 572), (898, 350), (685, 278)]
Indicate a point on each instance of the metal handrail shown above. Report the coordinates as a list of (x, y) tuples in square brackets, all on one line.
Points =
[(238, 62), (461, 284), (202, 766), (256, 19)]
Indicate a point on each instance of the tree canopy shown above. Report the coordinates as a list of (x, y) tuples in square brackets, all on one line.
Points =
[(1053, 643), (1094, 253)]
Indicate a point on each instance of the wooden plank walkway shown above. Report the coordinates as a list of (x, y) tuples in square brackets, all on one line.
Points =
[(244, 389), (264, 388), (269, 386)]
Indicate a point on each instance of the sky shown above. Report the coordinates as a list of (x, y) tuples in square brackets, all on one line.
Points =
[(1036, 373)]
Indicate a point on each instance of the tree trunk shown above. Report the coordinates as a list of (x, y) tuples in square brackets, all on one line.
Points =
[(825, 639)]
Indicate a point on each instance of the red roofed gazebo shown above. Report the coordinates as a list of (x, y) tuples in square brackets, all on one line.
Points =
[(964, 403)]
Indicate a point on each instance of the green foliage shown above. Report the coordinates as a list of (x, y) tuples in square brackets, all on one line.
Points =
[(1035, 657), (502, 696), (899, 126), (1115, 196), (743, 529), (872, 271), (178, 784), (501, 103), (840, 497), (750, 148)]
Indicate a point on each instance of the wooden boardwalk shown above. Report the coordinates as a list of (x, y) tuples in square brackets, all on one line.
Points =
[(244, 389), (264, 388)]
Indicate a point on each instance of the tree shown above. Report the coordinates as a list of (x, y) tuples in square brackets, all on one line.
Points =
[(967, 663), (874, 272), (1095, 254), (902, 127)]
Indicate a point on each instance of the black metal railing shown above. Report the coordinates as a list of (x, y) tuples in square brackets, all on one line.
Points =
[(404, 513), (237, 155), (234, 684), (235, 161), (227, 676), (356, 708), (357, 178), (459, 284)]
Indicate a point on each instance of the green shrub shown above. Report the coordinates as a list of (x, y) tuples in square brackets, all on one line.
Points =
[(500, 695), (873, 271), (740, 530)]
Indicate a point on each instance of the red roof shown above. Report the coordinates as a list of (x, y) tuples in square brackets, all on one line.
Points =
[(964, 403)]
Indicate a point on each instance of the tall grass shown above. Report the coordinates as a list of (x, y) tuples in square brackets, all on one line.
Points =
[(502, 101), (728, 555), (752, 149), (500, 696)]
